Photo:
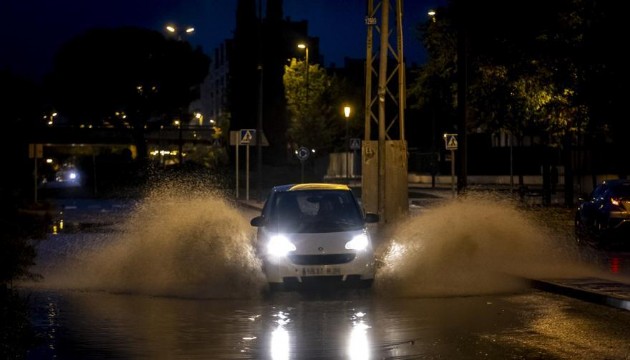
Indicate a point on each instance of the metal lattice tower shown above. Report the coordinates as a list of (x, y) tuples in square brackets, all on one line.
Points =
[(385, 160), (384, 75)]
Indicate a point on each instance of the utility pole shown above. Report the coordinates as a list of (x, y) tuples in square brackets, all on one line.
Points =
[(259, 123), (462, 96), (384, 170)]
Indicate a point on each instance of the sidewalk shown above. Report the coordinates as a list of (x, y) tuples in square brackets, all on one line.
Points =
[(598, 291)]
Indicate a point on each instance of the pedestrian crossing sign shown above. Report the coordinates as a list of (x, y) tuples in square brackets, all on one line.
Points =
[(450, 141), (355, 144), (247, 135)]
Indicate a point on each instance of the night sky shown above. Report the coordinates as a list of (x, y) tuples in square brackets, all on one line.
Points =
[(33, 30)]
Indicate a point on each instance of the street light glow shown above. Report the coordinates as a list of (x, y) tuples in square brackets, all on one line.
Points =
[(174, 30), (301, 46), (199, 117), (346, 112)]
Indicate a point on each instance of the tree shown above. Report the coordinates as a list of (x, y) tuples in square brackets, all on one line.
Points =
[(525, 77), (125, 77), (22, 106), (314, 107)]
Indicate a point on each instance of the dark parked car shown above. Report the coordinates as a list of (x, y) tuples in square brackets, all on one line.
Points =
[(603, 218)]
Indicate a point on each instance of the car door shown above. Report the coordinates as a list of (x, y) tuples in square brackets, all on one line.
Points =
[(589, 208)]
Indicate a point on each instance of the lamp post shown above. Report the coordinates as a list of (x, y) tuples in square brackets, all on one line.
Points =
[(305, 47), (178, 32), (180, 140), (346, 113)]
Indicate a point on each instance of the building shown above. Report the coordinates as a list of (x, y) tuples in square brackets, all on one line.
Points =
[(258, 49)]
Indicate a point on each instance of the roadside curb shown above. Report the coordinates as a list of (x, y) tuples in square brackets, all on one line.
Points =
[(597, 291)]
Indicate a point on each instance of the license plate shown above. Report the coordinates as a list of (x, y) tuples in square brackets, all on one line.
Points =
[(320, 271)]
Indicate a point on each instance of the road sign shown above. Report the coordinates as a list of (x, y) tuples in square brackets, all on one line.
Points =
[(35, 151), (355, 144), (247, 135), (303, 153), (235, 139), (450, 141)]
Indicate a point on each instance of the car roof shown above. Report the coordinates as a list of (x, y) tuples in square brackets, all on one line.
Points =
[(310, 186), (613, 182)]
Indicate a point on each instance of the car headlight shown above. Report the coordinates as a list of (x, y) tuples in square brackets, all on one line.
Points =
[(359, 242), (279, 245)]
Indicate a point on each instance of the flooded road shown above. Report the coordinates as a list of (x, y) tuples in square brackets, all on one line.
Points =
[(175, 276), (97, 325)]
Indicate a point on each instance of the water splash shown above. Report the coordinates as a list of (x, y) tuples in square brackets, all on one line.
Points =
[(175, 243), (476, 244)]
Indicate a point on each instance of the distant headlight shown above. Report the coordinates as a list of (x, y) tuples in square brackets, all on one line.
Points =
[(72, 175), (359, 242), (279, 245)]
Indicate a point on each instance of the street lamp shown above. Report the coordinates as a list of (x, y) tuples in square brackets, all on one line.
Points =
[(305, 47), (346, 113), (51, 118), (180, 145), (174, 30), (199, 118)]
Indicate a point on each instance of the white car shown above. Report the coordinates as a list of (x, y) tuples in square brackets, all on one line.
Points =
[(312, 234)]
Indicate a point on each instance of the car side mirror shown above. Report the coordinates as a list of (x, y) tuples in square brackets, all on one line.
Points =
[(258, 221), (371, 218)]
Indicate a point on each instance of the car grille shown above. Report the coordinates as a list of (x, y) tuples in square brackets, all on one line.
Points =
[(331, 259)]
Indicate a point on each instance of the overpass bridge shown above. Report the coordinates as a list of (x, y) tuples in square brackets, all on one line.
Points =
[(74, 136)]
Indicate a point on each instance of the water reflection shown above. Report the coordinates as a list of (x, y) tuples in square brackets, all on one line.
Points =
[(52, 325), (280, 339), (89, 325), (615, 264), (358, 344)]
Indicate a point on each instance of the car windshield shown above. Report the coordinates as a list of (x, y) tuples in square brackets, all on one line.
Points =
[(621, 190), (314, 211)]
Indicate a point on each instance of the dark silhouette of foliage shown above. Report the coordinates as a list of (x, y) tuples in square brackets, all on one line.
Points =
[(551, 71), (127, 78), (21, 111)]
